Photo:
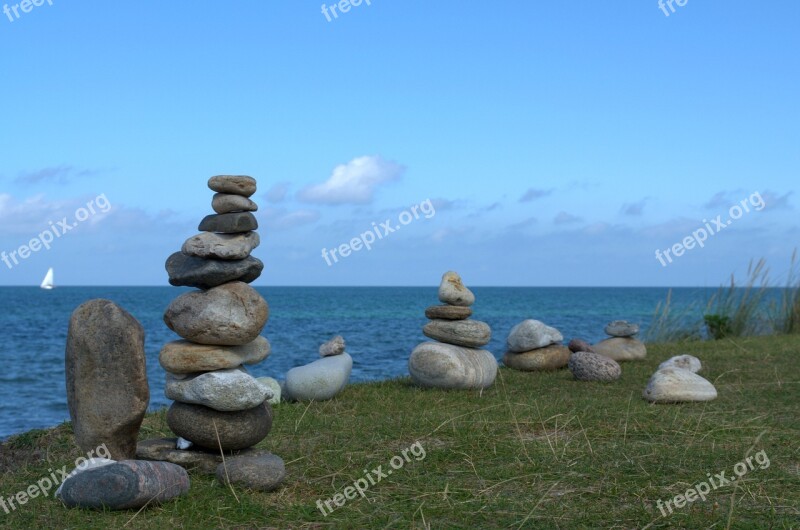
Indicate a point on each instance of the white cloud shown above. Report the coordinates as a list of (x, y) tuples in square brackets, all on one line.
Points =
[(354, 182)]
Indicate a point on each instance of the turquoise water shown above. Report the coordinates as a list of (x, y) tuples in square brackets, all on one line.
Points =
[(380, 324)]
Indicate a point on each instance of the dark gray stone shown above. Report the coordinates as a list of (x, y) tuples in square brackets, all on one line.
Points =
[(126, 485), (229, 223), (107, 390), (207, 273), (262, 473), (237, 430)]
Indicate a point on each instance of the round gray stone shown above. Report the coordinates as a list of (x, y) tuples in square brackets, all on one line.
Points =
[(453, 292), (264, 472), (320, 380), (437, 365), (232, 314), (221, 246), (687, 362), (467, 333), (237, 430), (621, 328), (588, 366), (223, 390), (532, 334), (190, 271), (228, 203), (335, 346), (233, 184), (676, 385)]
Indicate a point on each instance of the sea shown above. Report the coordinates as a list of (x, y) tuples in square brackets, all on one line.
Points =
[(381, 325)]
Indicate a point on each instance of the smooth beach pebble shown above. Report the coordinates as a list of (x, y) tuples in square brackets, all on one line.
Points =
[(190, 271), (532, 334), (448, 312), (106, 378), (576, 345), (621, 328), (229, 223), (233, 184), (453, 292), (223, 390), (436, 365), (335, 346), (467, 333), (675, 385), (227, 203), (550, 357), (184, 357), (125, 485), (687, 362), (264, 472), (232, 314), (221, 246), (588, 366), (320, 380), (621, 349), (236, 430)]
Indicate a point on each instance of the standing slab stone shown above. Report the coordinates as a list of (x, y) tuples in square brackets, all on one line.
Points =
[(107, 390)]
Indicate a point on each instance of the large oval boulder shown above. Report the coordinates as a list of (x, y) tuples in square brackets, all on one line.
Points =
[(107, 390), (232, 314), (675, 385), (236, 430), (436, 365)]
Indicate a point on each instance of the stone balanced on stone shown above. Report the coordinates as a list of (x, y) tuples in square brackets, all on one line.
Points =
[(622, 344), (218, 406), (455, 360), (534, 346), (322, 379)]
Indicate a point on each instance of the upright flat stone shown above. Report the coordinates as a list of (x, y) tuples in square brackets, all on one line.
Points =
[(237, 430), (221, 246), (466, 333), (233, 184), (232, 314), (436, 365), (126, 485), (107, 390), (229, 223), (453, 292), (227, 203), (184, 357), (190, 271)]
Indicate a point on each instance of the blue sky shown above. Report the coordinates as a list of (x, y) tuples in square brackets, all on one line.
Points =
[(561, 143)]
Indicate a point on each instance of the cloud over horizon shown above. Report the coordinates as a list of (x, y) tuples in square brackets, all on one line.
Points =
[(354, 182)]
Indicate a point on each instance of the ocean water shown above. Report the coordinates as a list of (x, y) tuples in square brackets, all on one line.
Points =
[(380, 324)]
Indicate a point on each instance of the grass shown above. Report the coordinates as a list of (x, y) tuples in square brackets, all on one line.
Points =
[(537, 450), (671, 325), (737, 311), (786, 315)]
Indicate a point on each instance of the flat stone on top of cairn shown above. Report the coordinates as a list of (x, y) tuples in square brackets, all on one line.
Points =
[(455, 361), (623, 344), (233, 184)]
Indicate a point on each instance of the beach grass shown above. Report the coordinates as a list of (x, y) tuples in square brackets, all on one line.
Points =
[(537, 450)]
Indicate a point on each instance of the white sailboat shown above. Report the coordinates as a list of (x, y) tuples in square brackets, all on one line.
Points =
[(47, 283)]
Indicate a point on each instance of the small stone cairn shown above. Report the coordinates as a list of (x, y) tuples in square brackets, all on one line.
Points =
[(534, 346), (622, 344)]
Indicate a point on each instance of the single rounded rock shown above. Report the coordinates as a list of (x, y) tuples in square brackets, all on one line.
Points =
[(453, 292), (621, 349), (335, 346), (436, 365), (228, 203), (687, 362), (232, 314), (576, 345), (320, 380), (190, 271), (237, 430), (550, 357), (675, 385), (221, 246), (448, 312), (588, 366), (532, 334), (184, 357), (223, 390), (467, 333), (233, 184), (264, 472), (621, 328), (229, 223)]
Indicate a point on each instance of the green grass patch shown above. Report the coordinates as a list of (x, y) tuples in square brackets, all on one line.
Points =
[(537, 450)]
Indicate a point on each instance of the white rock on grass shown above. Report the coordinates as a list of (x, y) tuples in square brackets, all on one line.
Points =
[(687, 362), (320, 380), (273, 385), (531, 334), (675, 385), (222, 390)]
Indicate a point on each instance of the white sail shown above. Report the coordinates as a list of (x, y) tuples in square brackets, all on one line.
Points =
[(47, 283)]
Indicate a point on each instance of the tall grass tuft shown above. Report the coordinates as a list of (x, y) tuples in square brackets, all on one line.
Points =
[(670, 325), (736, 311), (786, 314)]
